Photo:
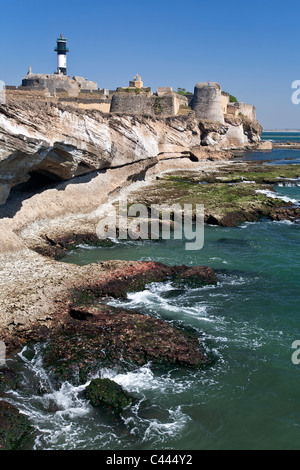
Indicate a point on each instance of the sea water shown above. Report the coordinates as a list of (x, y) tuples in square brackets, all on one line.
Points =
[(247, 399), (281, 136)]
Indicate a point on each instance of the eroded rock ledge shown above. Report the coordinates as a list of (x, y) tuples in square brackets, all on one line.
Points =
[(62, 142)]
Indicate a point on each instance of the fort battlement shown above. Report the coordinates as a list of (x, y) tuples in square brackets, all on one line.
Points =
[(207, 102), (164, 104)]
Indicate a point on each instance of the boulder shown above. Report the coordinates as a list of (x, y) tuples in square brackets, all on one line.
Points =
[(197, 276), (107, 393), (267, 145), (14, 427)]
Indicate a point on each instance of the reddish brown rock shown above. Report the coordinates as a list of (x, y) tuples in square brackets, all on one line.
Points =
[(198, 275), (286, 213), (86, 333)]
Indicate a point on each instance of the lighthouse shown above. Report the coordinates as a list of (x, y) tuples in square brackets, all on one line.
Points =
[(61, 50)]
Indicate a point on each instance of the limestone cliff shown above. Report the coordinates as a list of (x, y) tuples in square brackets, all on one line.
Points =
[(63, 142)]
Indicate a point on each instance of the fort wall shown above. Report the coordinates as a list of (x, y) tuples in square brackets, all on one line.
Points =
[(224, 103), (166, 103), (86, 85), (247, 110), (83, 101), (132, 103)]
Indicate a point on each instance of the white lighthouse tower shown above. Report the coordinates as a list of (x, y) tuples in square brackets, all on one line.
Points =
[(61, 50)]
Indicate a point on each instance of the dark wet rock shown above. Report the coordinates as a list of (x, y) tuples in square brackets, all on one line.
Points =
[(111, 336), (14, 427), (57, 246), (89, 333), (107, 393), (84, 333), (289, 213), (235, 217), (197, 276), (132, 279), (9, 380)]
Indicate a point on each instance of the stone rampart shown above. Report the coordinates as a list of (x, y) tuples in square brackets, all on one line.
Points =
[(242, 109), (167, 104)]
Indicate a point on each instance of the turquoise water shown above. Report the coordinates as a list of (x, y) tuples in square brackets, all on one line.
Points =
[(277, 156), (281, 136), (249, 397)]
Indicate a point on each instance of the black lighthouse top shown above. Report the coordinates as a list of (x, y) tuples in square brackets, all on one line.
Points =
[(61, 47)]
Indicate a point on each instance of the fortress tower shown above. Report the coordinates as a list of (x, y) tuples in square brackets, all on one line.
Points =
[(61, 50), (207, 101)]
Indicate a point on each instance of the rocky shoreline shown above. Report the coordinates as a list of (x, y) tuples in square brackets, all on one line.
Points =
[(58, 166), (286, 145), (41, 297), (44, 299), (83, 333), (32, 279)]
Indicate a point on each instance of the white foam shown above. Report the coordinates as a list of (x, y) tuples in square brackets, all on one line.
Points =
[(273, 195), (289, 184), (285, 222), (85, 246), (160, 432), (151, 299), (136, 381)]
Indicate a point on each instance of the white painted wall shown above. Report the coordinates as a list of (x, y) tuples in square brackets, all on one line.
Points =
[(62, 61)]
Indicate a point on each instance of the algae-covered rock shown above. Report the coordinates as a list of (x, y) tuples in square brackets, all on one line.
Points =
[(14, 427), (9, 380), (234, 194), (106, 392), (89, 333), (109, 336)]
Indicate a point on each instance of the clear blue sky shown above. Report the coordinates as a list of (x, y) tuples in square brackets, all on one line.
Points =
[(251, 48)]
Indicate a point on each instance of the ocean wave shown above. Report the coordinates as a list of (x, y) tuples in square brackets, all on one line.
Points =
[(289, 184), (160, 432), (64, 419), (273, 195)]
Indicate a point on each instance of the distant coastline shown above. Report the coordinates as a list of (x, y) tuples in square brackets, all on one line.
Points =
[(285, 138), (280, 130)]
